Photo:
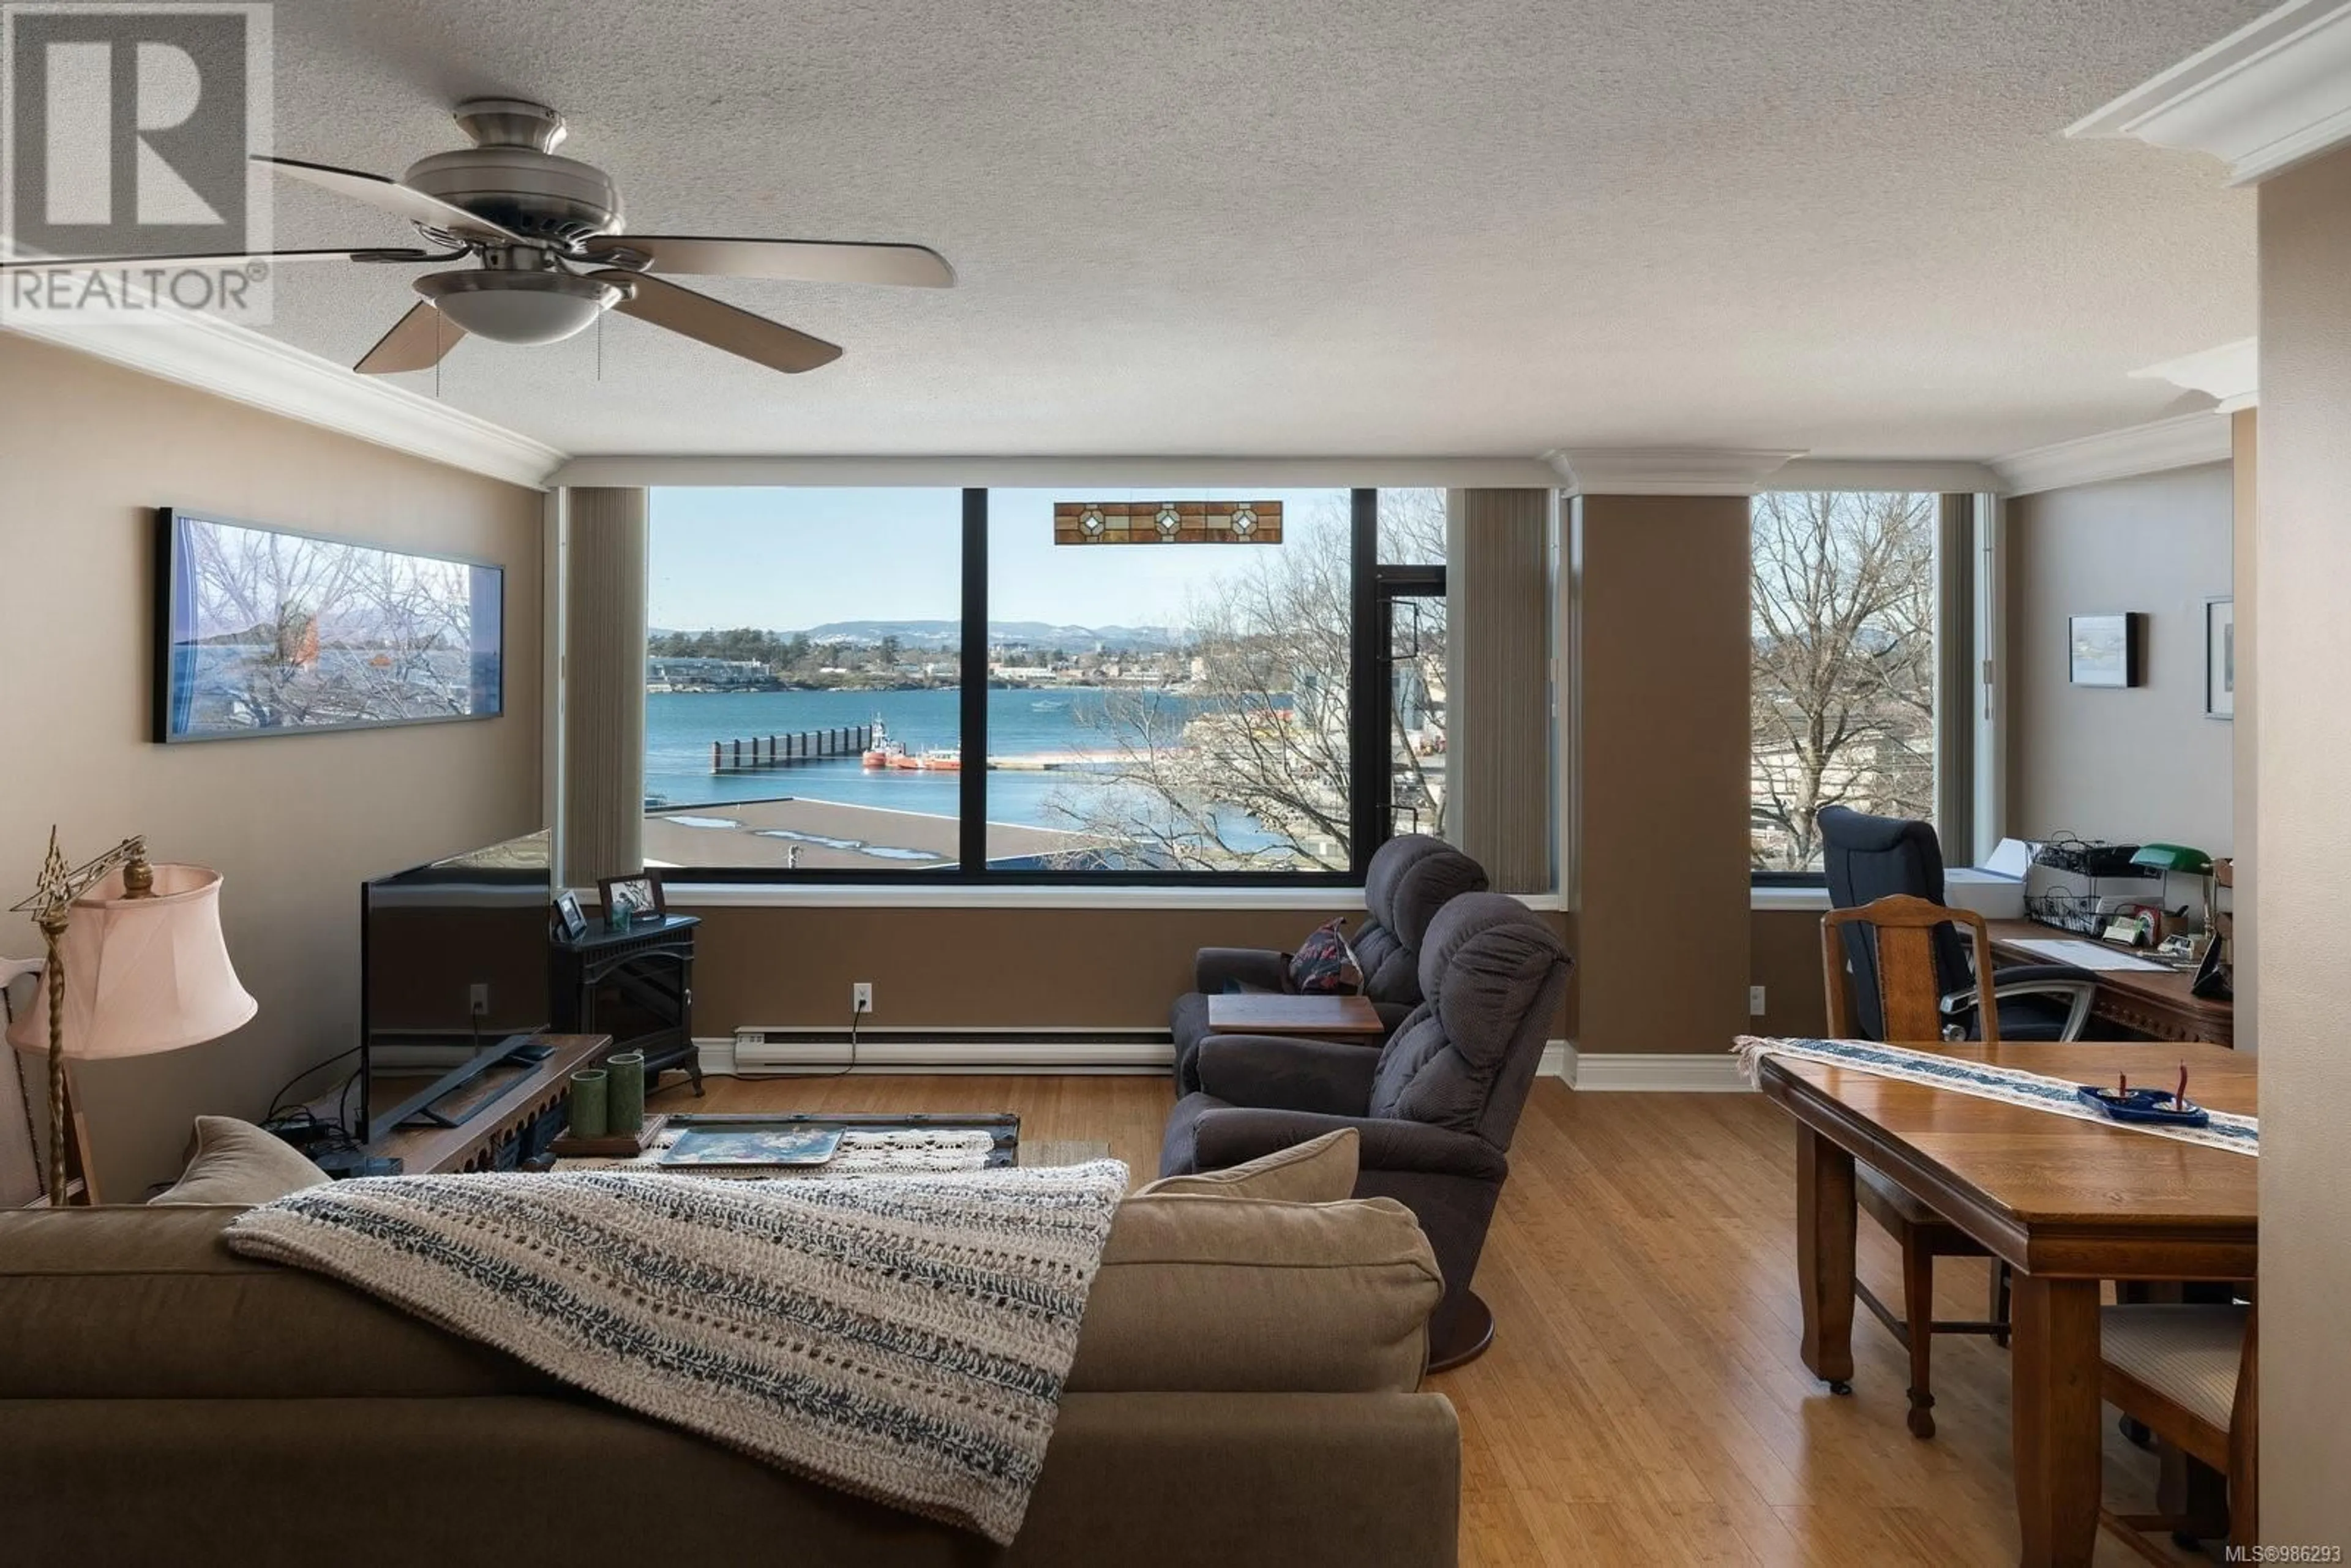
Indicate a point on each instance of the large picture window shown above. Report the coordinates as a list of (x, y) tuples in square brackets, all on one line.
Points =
[(803, 680), (892, 685), (1842, 700)]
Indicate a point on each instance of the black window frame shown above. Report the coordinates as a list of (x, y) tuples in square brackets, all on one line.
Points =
[(1369, 786)]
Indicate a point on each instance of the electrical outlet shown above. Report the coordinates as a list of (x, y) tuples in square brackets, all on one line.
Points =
[(478, 998), (860, 996), (1755, 1001)]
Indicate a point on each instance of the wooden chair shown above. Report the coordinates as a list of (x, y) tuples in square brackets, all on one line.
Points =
[(2188, 1372), (1910, 1000)]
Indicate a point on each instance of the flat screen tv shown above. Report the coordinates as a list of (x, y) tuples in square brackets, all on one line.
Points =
[(453, 979), (265, 631)]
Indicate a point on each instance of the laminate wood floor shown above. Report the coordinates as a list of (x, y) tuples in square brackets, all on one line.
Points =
[(1644, 1401)]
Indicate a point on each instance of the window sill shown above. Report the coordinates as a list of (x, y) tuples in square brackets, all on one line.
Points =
[(687, 896), (1786, 898)]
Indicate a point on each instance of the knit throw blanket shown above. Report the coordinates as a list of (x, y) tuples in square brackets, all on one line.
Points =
[(904, 1338)]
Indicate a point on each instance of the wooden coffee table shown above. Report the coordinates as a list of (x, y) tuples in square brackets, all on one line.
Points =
[(1268, 1012)]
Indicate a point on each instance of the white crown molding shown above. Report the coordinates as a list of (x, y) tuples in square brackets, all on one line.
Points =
[(1942, 478), (236, 363), (1124, 473), (2229, 374), (1666, 470), (2182, 442), (2272, 94)]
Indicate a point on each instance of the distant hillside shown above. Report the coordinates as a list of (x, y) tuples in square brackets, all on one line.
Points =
[(945, 635)]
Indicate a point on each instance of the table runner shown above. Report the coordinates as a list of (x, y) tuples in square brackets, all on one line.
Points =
[(2011, 1085)]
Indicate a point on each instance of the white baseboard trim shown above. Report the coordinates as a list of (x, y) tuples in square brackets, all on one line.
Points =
[(777, 1053), (1652, 1071), (819, 1052)]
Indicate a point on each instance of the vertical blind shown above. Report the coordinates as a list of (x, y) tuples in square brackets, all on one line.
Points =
[(1498, 661), (604, 686)]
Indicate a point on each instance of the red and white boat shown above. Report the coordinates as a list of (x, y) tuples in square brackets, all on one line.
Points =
[(884, 752)]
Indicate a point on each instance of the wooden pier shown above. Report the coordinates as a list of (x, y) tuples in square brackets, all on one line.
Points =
[(761, 753)]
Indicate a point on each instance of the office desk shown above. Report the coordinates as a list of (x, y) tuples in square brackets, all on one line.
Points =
[(2157, 1006), (2067, 1203)]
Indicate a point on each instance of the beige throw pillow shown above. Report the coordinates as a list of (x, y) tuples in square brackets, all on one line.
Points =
[(1321, 1170), (1212, 1294), (237, 1163)]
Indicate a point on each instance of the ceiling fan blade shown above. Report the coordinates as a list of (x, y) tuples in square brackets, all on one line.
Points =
[(797, 261), (222, 258), (719, 324), (417, 341), (392, 196)]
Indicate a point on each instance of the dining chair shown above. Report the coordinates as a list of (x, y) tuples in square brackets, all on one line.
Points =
[(2188, 1372), (1900, 933)]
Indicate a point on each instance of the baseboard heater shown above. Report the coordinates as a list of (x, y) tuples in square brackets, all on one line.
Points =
[(917, 1050)]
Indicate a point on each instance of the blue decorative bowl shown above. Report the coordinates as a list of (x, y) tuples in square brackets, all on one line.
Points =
[(2152, 1106)]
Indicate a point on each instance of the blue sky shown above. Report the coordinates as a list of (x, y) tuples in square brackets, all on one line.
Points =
[(787, 559)]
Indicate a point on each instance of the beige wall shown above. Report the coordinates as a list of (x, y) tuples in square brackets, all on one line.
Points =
[(969, 968), (86, 451), (1784, 959), (2304, 758), (2135, 765), (1661, 611)]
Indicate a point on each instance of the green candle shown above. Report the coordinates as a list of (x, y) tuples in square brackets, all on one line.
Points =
[(587, 1104), (627, 1100)]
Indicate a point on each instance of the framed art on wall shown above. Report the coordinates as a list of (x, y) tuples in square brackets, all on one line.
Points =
[(2103, 650), (265, 631), (2221, 658)]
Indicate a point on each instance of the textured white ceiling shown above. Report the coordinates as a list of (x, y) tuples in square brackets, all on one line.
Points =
[(1476, 227)]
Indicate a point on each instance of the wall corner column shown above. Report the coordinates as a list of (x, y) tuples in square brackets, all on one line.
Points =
[(1662, 648)]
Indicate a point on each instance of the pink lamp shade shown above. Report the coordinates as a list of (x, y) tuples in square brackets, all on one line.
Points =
[(142, 974)]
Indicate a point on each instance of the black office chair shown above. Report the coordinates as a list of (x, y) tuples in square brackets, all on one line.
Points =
[(1869, 857)]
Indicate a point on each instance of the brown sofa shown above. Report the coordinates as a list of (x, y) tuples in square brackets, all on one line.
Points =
[(1244, 1392)]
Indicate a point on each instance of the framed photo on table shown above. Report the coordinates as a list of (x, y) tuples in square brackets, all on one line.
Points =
[(632, 899), (570, 922)]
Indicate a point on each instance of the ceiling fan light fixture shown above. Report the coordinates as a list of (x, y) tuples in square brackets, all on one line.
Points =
[(525, 309)]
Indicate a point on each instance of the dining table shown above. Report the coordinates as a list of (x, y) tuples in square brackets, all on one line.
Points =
[(2068, 1204)]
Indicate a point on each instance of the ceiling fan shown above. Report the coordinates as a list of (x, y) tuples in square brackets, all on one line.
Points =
[(547, 237)]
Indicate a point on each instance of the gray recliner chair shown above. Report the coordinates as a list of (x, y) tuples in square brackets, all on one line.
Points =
[(1410, 878), (1435, 1107)]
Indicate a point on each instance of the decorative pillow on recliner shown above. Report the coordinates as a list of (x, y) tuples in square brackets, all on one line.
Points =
[(1325, 964)]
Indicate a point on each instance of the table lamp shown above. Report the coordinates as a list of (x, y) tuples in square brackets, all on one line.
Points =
[(2170, 858), (136, 964)]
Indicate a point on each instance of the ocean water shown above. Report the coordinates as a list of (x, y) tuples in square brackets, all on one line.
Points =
[(680, 727)]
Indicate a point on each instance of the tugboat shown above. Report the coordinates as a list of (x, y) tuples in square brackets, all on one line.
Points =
[(884, 752)]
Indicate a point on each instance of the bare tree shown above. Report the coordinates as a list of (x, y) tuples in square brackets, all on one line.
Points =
[(1842, 703)]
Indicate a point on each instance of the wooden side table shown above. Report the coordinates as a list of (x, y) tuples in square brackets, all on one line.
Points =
[(635, 984)]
